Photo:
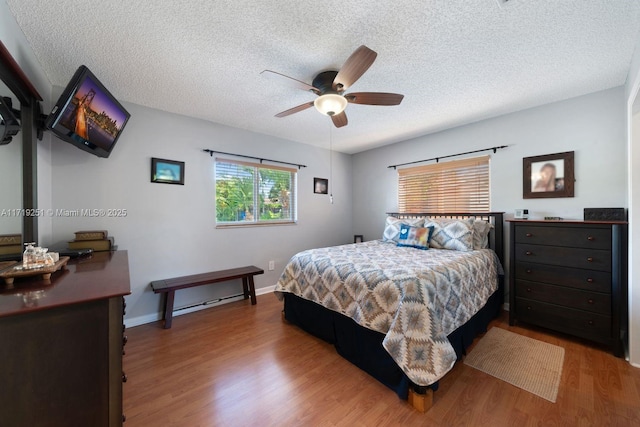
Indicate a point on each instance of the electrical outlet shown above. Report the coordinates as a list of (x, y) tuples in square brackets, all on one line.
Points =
[(272, 265)]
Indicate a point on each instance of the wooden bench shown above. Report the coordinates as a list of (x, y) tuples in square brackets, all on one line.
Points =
[(170, 286)]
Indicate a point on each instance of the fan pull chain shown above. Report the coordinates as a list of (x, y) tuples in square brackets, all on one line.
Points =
[(330, 162)]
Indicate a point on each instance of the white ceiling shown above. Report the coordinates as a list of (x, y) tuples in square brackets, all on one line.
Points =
[(456, 61)]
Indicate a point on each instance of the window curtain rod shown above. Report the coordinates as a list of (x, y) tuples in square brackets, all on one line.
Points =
[(437, 159), (206, 150)]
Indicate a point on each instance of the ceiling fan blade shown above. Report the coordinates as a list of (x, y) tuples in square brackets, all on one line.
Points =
[(339, 120), (354, 67), (295, 109), (374, 98), (273, 75)]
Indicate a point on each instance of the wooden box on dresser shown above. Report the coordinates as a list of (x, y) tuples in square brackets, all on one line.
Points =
[(62, 345), (570, 276)]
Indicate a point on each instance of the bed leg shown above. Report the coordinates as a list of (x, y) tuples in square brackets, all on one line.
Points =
[(421, 402)]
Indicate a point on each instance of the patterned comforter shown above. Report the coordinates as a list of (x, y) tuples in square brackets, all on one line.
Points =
[(415, 297)]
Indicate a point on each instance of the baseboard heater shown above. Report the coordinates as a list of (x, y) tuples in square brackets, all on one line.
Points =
[(209, 302)]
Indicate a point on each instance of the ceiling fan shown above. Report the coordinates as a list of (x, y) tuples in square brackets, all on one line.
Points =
[(331, 85)]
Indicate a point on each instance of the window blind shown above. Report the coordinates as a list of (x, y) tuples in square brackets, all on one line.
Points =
[(455, 186), (250, 193)]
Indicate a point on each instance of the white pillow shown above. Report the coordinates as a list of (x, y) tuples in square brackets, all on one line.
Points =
[(481, 231), (454, 234), (392, 227)]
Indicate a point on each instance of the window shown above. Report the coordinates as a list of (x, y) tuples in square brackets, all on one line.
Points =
[(455, 186), (251, 193)]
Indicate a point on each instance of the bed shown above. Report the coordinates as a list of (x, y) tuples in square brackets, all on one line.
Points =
[(399, 312)]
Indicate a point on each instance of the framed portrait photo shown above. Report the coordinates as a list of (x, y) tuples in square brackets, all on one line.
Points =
[(167, 171), (551, 175), (320, 186)]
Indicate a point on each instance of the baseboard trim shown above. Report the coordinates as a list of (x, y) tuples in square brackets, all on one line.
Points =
[(154, 317)]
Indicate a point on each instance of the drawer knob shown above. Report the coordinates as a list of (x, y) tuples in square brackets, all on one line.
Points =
[(590, 259), (528, 289), (528, 307), (528, 271), (590, 301), (590, 322), (589, 280), (528, 253), (591, 238), (529, 235), (124, 377)]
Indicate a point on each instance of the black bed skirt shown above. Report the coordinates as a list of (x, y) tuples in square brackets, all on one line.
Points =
[(363, 347)]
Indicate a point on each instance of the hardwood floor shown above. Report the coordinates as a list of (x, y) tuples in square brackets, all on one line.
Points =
[(242, 365)]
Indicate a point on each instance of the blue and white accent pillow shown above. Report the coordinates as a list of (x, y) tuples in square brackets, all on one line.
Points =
[(392, 227), (415, 237), (454, 234)]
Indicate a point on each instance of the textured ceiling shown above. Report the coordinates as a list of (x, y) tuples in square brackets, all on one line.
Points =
[(456, 61)]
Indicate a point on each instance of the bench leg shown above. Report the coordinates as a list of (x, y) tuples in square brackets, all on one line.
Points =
[(245, 287), (252, 290), (168, 309)]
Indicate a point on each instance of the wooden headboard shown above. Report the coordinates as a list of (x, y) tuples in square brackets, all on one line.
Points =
[(496, 237)]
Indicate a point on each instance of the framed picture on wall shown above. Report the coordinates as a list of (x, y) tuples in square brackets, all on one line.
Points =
[(320, 186), (551, 175), (167, 171)]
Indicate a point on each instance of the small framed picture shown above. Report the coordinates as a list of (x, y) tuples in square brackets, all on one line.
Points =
[(551, 175), (167, 171), (320, 186)]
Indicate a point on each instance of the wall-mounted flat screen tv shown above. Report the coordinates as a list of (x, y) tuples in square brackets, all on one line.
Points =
[(87, 115)]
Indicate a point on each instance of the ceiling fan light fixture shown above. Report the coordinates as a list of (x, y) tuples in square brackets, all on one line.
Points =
[(330, 104)]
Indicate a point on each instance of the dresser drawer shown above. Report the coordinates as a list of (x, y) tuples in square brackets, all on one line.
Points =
[(580, 323), (568, 297), (592, 259), (590, 280), (574, 237)]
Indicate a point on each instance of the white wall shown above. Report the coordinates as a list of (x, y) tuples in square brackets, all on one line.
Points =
[(593, 126), (170, 230), (634, 237), (632, 97)]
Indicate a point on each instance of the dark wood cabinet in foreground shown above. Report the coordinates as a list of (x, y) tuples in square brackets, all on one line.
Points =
[(570, 276), (62, 345)]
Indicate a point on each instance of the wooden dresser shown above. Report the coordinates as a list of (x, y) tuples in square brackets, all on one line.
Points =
[(62, 344), (570, 276)]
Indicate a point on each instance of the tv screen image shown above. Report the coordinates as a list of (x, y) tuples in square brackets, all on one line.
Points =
[(87, 115)]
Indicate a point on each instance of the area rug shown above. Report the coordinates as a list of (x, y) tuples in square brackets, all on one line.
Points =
[(529, 364)]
